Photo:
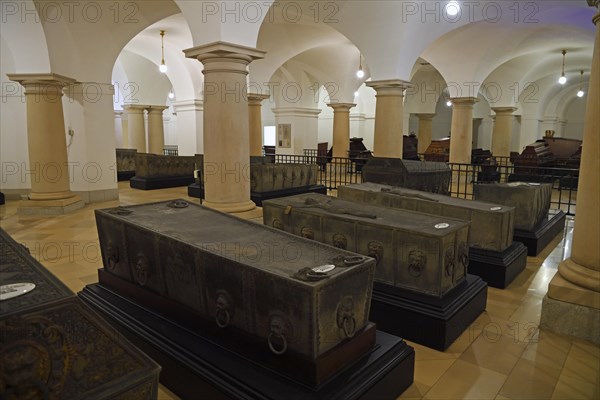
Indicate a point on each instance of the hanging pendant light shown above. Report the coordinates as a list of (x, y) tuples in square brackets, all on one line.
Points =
[(563, 79), (360, 73), (581, 93), (163, 67)]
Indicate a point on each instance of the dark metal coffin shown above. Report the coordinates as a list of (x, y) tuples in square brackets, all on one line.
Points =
[(53, 347), (241, 275), (126, 159), (427, 176), (157, 166), (271, 177), (416, 251), (491, 227), (530, 200)]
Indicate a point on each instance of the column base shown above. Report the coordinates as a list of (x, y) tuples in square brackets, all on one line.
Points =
[(50, 207), (563, 290), (570, 319), (230, 207)]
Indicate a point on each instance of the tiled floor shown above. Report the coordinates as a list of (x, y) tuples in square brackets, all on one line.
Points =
[(502, 355)]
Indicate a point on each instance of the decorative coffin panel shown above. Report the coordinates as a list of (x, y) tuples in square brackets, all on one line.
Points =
[(530, 200), (125, 159), (491, 224), (156, 166), (385, 234), (249, 278)]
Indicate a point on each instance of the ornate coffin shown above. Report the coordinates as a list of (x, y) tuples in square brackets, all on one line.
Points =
[(54, 347), (530, 200), (158, 166), (288, 293), (415, 251), (125, 159), (438, 150), (272, 177), (431, 177), (491, 227)]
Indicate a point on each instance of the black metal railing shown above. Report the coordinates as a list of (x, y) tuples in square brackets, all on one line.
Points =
[(170, 150)]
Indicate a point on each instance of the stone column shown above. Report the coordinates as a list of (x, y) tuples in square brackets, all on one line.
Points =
[(119, 128), (135, 127), (341, 128), (226, 132), (125, 130), (461, 132), (387, 140), (46, 140), (502, 133), (156, 129), (424, 135), (572, 305), (255, 122)]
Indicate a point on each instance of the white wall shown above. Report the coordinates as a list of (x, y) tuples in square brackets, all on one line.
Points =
[(575, 116)]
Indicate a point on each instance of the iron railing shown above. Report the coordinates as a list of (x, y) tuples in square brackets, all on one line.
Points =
[(171, 150)]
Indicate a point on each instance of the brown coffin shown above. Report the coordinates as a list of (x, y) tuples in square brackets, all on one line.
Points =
[(240, 275), (530, 200), (411, 252), (491, 227)]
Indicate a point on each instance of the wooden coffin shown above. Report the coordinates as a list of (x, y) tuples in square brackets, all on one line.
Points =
[(431, 177), (530, 200), (491, 227), (415, 251), (438, 150), (53, 347), (290, 294)]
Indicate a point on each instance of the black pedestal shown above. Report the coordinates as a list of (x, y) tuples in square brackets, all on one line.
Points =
[(497, 268), (195, 190), (538, 238), (160, 183), (125, 175), (194, 367), (427, 320)]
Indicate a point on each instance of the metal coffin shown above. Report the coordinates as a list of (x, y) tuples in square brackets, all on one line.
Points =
[(415, 251), (126, 159), (491, 227), (530, 200), (431, 177), (157, 166), (242, 276), (272, 177)]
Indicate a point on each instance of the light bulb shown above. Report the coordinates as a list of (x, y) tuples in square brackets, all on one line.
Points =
[(171, 95), (360, 73), (580, 93), (452, 8), (356, 94), (162, 68), (449, 103), (562, 80)]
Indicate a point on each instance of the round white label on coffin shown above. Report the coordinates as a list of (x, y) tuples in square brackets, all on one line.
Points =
[(15, 289), (443, 225), (496, 208), (324, 268)]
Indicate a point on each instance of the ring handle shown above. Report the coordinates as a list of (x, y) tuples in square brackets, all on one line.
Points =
[(464, 259), (272, 347), (222, 317), (349, 332), (353, 260)]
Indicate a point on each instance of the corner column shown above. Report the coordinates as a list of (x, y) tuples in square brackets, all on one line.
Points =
[(135, 127), (341, 128), (46, 139), (425, 132), (255, 122), (461, 132), (156, 130), (502, 133), (226, 131), (572, 304), (387, 141)]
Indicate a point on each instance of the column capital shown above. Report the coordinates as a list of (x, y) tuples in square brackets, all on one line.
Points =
[(296, 112), (256, 98), (425, 116), (215, 55), (91, 90), (134, 108), (156, 109), (504, 110), (341, 107), (41, 79), (594, 3), (389, 87), (119, 113), (188, 105), (464, 101)]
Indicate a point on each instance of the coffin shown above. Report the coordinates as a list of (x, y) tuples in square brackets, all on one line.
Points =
[(491, 227), (159, 166), (290, 294), (530, 200), (272, 177), (420, 252), (431, 177), (438, 150), (54, 347), (126, 159)]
